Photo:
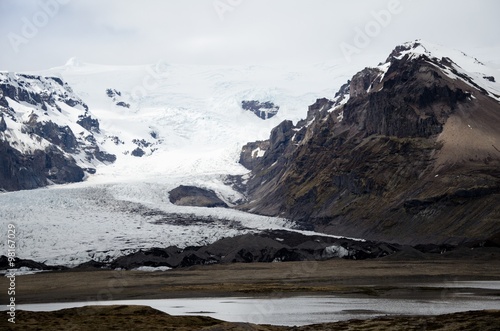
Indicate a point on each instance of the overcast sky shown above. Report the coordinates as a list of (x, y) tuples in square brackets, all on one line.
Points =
[(39, 34)]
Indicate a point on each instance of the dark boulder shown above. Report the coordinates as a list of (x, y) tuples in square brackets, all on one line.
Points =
[(195, 196)]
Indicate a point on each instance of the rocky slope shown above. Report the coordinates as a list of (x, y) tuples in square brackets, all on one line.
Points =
[(406, 152), (46, 133)]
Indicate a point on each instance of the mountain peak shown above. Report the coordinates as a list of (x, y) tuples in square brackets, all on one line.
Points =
[(416, 48), (454, 63), (73, 62)]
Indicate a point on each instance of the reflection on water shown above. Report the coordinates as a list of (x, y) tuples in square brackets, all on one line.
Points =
[(489, 285), (304, 310)]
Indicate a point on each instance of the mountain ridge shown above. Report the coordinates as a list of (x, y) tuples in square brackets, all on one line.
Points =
[(408, 155)]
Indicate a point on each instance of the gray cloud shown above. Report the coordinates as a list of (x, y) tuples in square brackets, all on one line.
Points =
[(230, 31)]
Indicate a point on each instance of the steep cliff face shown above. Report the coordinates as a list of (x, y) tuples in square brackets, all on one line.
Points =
[(22, 172), (406, 152), (46, 133)]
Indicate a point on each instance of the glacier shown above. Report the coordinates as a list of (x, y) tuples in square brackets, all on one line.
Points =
[(189, 122)]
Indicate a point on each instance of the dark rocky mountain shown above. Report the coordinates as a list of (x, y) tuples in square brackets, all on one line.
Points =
[(46, 133), (406, 152)]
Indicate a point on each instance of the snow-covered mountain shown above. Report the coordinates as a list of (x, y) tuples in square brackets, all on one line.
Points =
[(133, 133), (43, 118)]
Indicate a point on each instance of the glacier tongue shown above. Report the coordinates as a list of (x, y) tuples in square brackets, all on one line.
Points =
[(190, 126), (72, 224)]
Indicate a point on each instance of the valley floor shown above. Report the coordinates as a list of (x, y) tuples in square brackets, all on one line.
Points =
[(382, 277), (390, 278)]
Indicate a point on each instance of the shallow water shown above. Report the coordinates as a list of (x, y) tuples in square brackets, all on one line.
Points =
[(490, 285), (303, 310)]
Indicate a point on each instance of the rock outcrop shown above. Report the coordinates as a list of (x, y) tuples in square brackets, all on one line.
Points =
[(263, 110), (195, 196)]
